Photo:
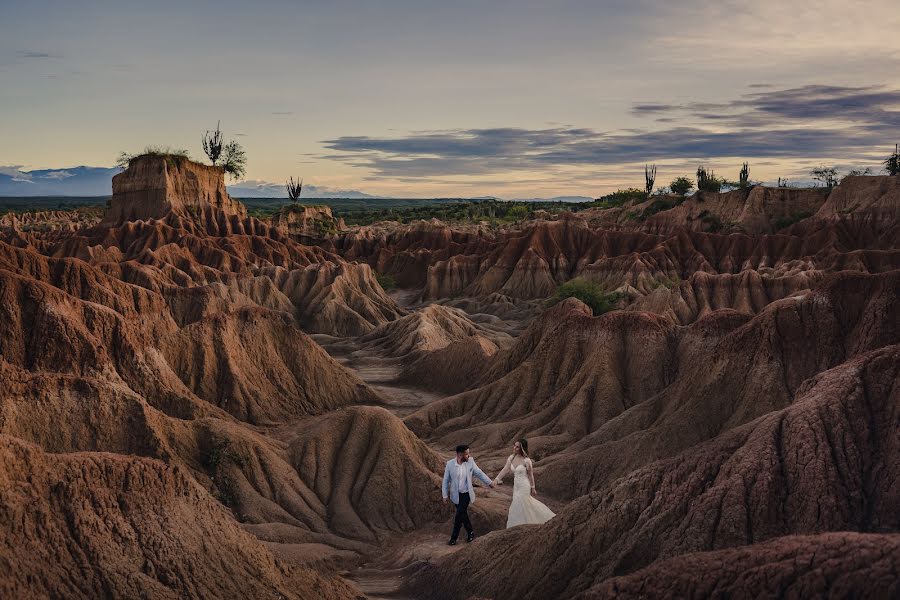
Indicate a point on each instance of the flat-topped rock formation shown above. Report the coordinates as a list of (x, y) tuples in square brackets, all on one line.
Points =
[(154, 186), (309, 221)]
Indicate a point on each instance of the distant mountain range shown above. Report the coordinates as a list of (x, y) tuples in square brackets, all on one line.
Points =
[(74, 181), (267, 189), (97, 181)]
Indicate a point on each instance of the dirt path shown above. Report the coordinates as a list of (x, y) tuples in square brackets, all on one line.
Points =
[(383, 577)]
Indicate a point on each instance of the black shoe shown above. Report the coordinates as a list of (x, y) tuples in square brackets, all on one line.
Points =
[(470, 537), (452, 542)]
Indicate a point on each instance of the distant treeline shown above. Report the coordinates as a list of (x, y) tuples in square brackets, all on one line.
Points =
[(370, 210), (491, 211), (354, 211), (20, 204)]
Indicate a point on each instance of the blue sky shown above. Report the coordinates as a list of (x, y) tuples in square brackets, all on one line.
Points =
[(403, 98)]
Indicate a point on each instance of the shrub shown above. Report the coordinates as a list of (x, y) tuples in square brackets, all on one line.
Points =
[(517, 212), (168, 153), (892, 162), (234, 161), (712, 222), (386, 281), (666, 282), (588, 292), (659, 205), (707, 180), (681, 185), (619, 198), (827, 175), (781, 222)]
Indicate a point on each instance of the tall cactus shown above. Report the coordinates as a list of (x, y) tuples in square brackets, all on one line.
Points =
[(294, 188), (649, 177), (213, 143), (745, 176)]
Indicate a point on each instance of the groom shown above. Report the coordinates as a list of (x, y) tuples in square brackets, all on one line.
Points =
[(458, 484)]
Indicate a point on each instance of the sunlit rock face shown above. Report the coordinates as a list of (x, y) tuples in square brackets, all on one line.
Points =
[(152, 187)]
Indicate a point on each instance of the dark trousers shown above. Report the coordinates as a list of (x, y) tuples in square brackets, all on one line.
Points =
[(462, 516)]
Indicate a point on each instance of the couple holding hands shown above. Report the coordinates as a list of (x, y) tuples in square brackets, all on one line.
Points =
[(457, 487)]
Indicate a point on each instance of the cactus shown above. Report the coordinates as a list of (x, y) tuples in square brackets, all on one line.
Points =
[(707, 180), (649, 177), (213, 144), (294, 188), (744, 176)]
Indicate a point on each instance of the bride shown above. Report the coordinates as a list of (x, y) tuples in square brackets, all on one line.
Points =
[(525, 508)]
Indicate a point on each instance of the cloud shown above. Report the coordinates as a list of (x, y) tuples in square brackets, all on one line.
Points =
[(34, 54), (74, 181), (874, 106), (257, 188), (58, 175), (14, 171), (813, 122)]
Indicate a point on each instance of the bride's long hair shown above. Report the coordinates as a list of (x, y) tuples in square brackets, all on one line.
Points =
[(523, 444)]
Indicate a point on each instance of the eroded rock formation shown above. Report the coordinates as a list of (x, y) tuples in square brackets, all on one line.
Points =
[(169, 428)]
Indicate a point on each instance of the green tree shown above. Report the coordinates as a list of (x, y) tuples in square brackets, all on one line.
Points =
[(234, 161), (517, 212), (681, 185)]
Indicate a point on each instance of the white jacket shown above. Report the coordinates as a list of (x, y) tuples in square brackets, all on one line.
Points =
[(450, 479)]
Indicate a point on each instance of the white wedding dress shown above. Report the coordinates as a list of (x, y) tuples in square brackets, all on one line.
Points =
[(525, 509)]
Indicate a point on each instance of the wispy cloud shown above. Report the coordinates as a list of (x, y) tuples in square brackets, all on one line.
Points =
[(813, 122), (57, 175), (35, 54), (874, 106)]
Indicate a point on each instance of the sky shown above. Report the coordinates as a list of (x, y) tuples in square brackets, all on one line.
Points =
[(420, 98)]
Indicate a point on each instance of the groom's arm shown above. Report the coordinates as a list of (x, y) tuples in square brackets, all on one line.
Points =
[(445, 484), (480, 475)]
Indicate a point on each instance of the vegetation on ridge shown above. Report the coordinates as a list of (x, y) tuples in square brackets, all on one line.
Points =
[(892, 162), (589, 292), (169, 154), (234, 160)]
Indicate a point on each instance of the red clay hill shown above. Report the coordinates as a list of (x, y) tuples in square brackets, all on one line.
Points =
[(172, 426)]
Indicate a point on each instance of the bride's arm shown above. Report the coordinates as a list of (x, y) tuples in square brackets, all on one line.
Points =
[(499, 478), (530, 471)]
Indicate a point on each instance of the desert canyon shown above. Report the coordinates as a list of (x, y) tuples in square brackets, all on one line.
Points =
[(198, 403)]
